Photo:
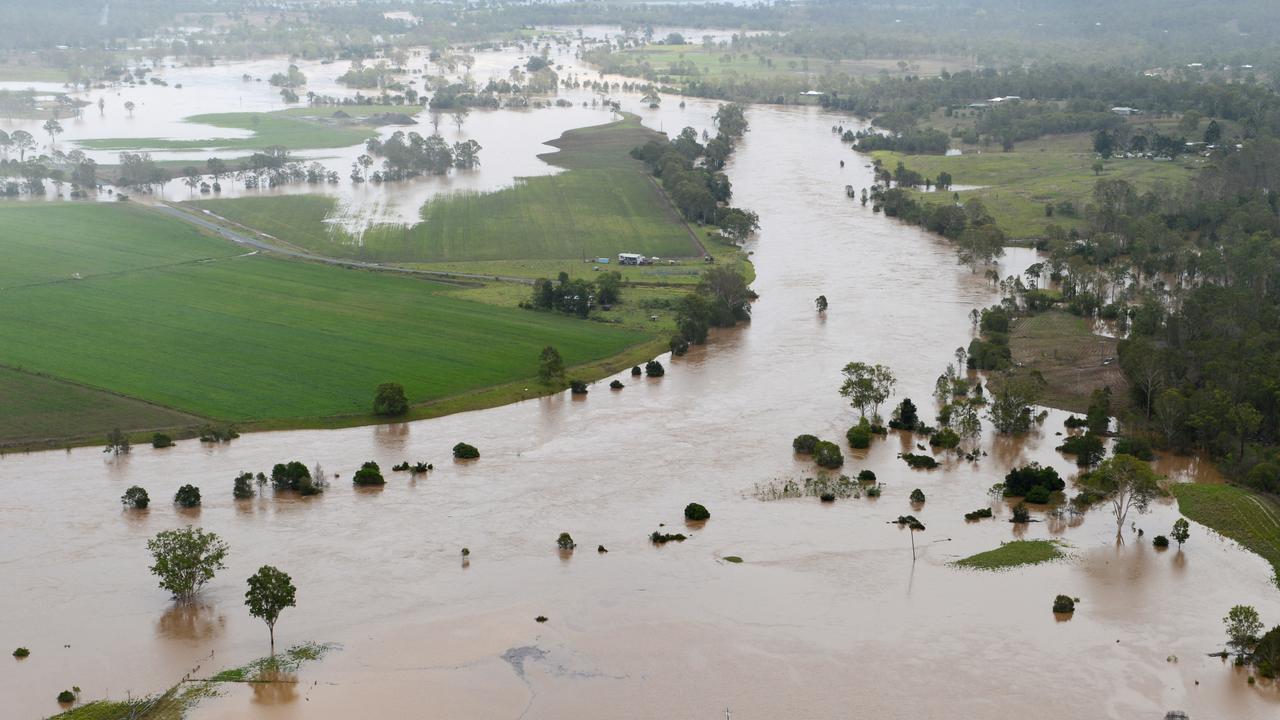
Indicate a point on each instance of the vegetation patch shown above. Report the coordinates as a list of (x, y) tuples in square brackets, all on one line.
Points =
[(1250, 518), (1013, 554), (296, 129)]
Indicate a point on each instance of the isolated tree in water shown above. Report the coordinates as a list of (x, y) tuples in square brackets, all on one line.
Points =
[(1127, 483), (270, 592), (185, 559), (550, 366), (867, 386), (117, 442), (821, 303), (1181, 531), (390, 400)]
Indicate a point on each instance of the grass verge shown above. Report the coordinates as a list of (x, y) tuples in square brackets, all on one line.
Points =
[(1250, 518), (1013, 554)]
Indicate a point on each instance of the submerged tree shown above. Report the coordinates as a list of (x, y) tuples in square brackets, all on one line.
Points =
[(1243, 626), (1127, 483), (117, 442), (186, 559), (821, 303), (270, 592)]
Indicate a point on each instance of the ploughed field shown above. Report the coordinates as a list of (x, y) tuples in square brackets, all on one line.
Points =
[(115, 298), (603, 204)]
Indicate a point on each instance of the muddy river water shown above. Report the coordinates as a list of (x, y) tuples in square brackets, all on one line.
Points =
[(826, 617)]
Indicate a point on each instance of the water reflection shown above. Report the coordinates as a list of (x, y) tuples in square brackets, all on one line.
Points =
[(190, 621)]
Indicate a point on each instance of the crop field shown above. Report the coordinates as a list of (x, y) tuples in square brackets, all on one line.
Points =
[(247, 337), (1015, 186), (604, 204), (1251, 519), (296, 129)]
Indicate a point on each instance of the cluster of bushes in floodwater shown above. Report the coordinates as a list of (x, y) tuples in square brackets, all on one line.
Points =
[(825, 487)]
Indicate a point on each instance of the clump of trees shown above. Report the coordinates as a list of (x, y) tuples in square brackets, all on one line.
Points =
[(867, 387), (407, 155), (576, 296), (242, 486), (805, 444), (294, 476), (921, 462), (1034, 483), (721, 299)]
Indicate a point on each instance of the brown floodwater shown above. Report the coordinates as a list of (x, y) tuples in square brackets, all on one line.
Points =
[(827, 615)]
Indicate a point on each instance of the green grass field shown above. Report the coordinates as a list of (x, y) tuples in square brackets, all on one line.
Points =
[(296, 129), (1015, 186), (1013, 554), (246, 338), (1064, 350), (36, 410), (42, 246), (603, 204), (1251, 519)]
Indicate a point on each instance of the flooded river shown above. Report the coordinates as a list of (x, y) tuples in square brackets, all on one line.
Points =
[(827, 617)]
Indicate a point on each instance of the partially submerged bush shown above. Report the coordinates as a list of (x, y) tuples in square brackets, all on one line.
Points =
[(1021, 481), (242, 487), (135, 497), (369, 474), (653, 368), (866, 476), (21, 652), (917, 496), (1160, 541), (661, 538), (577, 387), (616, 385), (188, 496), (1038, 495), (1087, 448), (1021, 514), (1135, 446), (294, 476), (463, 451), (805, 444), (695, 511), (828, 455), (212, 434), (946, 438), (679, 346), (66, 696), (160, 440), (978, 514), (565, 541), (635, 371), (827, 497), (859, 436), (1064, 604), (925, 462)]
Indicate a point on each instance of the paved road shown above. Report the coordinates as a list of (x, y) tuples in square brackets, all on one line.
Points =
[(208, 221)]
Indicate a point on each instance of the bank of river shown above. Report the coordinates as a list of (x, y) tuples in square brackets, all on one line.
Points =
[(826, 616)]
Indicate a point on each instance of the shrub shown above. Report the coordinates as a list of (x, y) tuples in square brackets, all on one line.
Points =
[(616, 385), (565, 541), (805, 444), (661, 538), (679, 346), (866, 476), (1072, 422), (925, 462), (1137, 447), (1064, 604), (1021, 514), (369, 474), (905, 416), (390, 400), (463, 451), (732, 559), (1160, 541), (694, 511), (874, 491), (242, 489), (653, 368), (917, 496), (946, 438), (211, 434), (160, 440), (577, 387), (978, 514), (135, 497), (635, 371), (188, 496), (21, 652), (859, 436), (66, 696), (540, 618), (827, 455), (827, 497)]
